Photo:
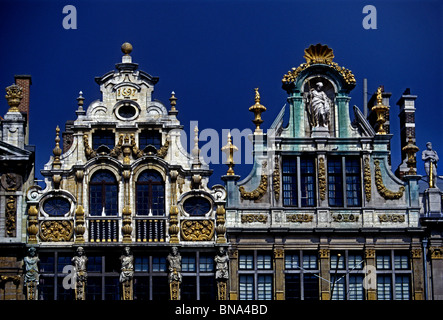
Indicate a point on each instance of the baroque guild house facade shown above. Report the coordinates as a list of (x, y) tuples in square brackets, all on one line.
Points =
[(127, 213)]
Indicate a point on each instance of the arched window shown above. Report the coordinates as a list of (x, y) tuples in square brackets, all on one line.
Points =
[(103, 194), (150, 190)]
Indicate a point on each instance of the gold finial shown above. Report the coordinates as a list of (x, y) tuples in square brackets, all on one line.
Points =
[(257, 108), (173, 101), (126, 48), (14, 95), (380, 110), (411, 149), (57, 151), (379, 95), (229, 149)]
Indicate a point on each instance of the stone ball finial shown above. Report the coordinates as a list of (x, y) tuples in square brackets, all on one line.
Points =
[(126, 48)]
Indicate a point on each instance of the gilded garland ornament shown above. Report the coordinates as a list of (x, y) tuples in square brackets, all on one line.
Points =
[(322, 178), (258, 193), (250, 218), (391, 217), (381, 188), (276, 180), (367, 179), (299, 217)]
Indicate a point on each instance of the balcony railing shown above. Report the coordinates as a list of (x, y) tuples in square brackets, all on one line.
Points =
[(103, 230), (150, 230)]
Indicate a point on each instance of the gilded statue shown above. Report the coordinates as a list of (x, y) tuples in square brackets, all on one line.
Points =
[(430, 159)]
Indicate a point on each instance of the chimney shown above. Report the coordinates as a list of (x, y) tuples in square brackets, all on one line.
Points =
[(407, 127), (24, 81)]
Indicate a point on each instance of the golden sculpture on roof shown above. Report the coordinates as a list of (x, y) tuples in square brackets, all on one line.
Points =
[(319, 54)]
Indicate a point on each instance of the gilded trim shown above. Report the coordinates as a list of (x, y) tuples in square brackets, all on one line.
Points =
[(367, 179), (258, 193), (322, 178), (381, 188)]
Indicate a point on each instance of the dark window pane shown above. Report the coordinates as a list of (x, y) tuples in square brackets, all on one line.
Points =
[(189, 288), (150, 191), (160, 288), (47, 263), (103, 194), (307, 180), (141, 288), (292, 287), (289, 178), (335, 182), (94, 264), (103, 137), (112, 288), (64, 294), (150, 137), (208, 288), (46, 288), (311, 290), (353, 182), (94, 288)]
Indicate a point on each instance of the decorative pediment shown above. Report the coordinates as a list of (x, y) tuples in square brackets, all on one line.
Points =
[(10, 152)]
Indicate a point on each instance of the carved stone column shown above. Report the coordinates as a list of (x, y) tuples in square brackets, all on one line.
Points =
[(173, 211), (436, 255), (220, 224), (325, 289), (371, 289), (279, 280), (233, 281), (417, 271), (127, 213), (32, 225)]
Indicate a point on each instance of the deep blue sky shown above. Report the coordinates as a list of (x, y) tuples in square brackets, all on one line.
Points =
[(214, 53)]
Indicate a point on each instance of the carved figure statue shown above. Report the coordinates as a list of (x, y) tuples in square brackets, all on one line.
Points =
[(430, 158), (31, 267), (81, 274), (31, 279), (221, 265), (175, 265), (319, 106), (127, 269)]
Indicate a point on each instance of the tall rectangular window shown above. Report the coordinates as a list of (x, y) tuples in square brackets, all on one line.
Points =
[(335, 182), (347, 274), (256, 275), (264, 287), (289, 177), (246, 287), (307, 182), (353, 182), (402, 287), (384, 287), (301, 279)]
